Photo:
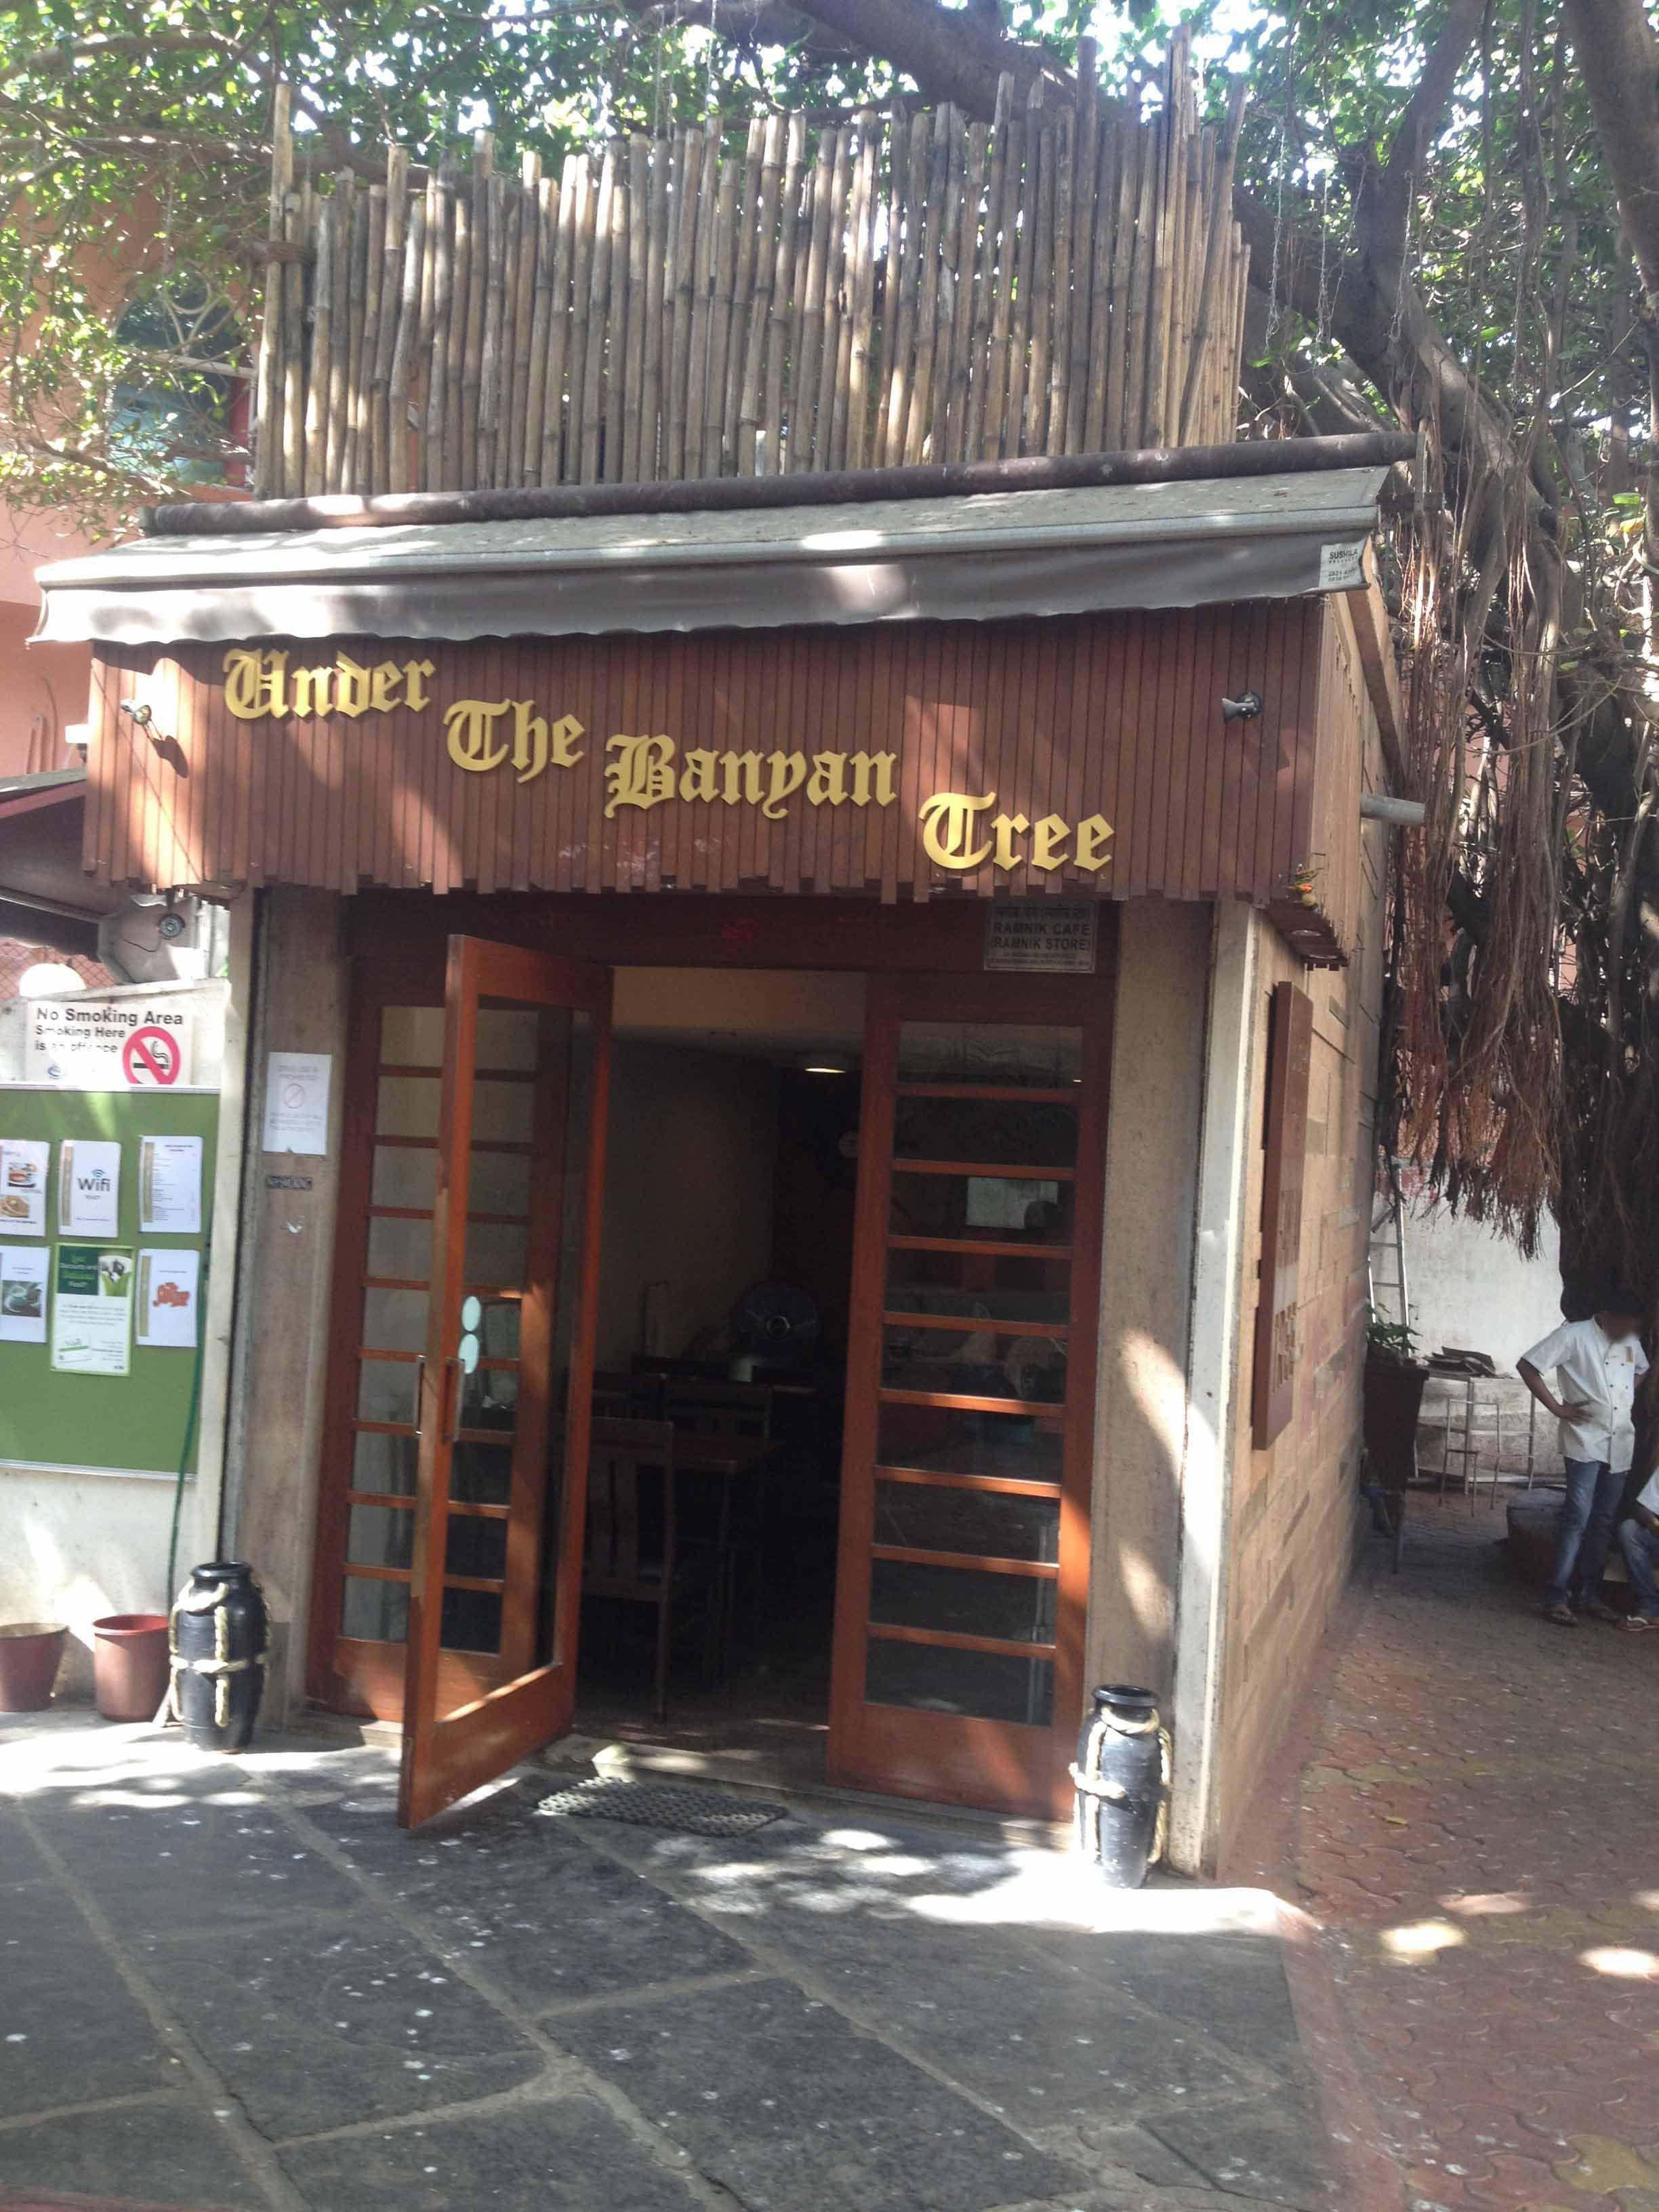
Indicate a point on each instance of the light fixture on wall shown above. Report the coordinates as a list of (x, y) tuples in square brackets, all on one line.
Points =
[(142, 716), (1244, 709), (823, 1067)]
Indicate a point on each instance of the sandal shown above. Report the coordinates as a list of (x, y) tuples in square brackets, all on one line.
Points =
[(1598, 1610), (1636, 1621), (1562, 1615)]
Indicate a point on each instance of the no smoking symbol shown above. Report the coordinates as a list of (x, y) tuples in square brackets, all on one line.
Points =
[(151, 1056)]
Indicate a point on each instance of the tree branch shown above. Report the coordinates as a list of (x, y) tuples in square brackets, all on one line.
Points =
[(1619, 58)]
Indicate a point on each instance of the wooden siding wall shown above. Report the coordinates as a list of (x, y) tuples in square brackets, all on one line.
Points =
[(1110, 715), (1065, 279)]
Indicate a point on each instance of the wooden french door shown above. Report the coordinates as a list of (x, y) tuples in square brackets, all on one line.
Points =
[(449, 1535), (446, 1582), (961, 1588)]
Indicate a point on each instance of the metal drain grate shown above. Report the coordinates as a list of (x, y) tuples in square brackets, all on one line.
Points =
[(656, 1805)]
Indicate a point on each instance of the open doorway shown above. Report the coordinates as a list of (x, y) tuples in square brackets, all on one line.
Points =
[(725, 1279)]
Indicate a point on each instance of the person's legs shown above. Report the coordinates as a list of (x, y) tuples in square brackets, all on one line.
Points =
[(1641, 1548), (1598, 1539), (1570, 1528)]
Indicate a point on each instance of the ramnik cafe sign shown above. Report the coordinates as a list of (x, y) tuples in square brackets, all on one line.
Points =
[(515, 738)]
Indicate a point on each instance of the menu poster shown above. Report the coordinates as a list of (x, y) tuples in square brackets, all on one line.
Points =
[(170, 1186), (23, 1293), (23, 1166), (91, 1309), (168, 1287), (89, 1188)]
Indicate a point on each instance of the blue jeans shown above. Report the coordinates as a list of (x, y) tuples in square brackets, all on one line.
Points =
[(1640, 1546), (1584, 1531)]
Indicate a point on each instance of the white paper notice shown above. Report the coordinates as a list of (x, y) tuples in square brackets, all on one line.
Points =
[(23, 1293), (89, 1188), (23, 1166), (297, 1102), (91, 1309), (168, 1283), (170, 1185)]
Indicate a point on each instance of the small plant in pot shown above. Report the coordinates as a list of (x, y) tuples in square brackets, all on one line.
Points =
[(1395, 1379)]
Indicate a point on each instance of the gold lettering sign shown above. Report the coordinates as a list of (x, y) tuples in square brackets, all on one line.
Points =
[(484, 735)]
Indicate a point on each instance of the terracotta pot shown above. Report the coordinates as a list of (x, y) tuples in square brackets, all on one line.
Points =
[(129, 1665), (30, 1652)]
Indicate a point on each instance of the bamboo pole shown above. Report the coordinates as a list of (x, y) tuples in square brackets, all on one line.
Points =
[(1108, 155), (722, 301), (339, 365), (702, 290), (386, 338), (744, 274), (268, 470), (403, 357), (523, 311), (853, 434), (477, 285), (835, 279), (881, 369), (494, 305), (1060, 265), (969, 284), (1085, 178), (751, 375), (441, 204), (809, 307), (779, 315), (1116, 431), (356, 312), (900, 350), (294, 237), (368, 436), (1042, 289), (651, 456), (1141, 287), (599, 310), (541, 313), (678, 342), (619, 368), (322, 308), (638, 220), (988, 281), (559, 321), (1007, 158), (579, 338), (460, 281), (1019, 333), (919, 422), (1214, 279)]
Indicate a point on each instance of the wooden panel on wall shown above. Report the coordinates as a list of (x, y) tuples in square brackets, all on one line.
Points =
[(1081, 755), (1289, 1058)]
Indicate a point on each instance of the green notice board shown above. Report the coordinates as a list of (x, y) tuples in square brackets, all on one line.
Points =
[(134, 1421)]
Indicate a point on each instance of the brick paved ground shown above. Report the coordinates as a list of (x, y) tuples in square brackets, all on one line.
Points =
[(1470, 1818)]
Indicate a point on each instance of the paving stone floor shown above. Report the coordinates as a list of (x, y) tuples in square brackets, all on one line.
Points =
[(235, 1983), (1474, 1824)]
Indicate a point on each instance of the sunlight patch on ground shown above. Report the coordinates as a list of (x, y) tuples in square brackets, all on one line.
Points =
[(1422, 1939)]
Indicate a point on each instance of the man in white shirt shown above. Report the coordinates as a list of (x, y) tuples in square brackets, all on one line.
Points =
[(1639, 1540), (1597, 1365)]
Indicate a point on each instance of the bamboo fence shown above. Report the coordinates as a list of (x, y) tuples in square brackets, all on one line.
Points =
[(1067, 278)]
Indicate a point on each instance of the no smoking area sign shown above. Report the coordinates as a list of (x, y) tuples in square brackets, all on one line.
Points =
[(150, 1058)]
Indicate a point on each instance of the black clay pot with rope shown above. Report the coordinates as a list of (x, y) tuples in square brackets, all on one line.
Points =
[(219, 1629), (1120, 1782)]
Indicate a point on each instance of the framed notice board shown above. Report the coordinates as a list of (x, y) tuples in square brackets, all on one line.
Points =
[(133, 1422)]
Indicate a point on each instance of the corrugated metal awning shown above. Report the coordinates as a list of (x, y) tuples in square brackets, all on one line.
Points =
[(981, 558)]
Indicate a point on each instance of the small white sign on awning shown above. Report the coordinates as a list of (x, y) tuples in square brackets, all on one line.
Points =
[(1052, 937)]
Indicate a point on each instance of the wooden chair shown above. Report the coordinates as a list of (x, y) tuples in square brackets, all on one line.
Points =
[(621, 1396), (631, 1548)]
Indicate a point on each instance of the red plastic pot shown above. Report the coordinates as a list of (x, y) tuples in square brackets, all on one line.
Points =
[(30, 1651), (129, 1665)]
